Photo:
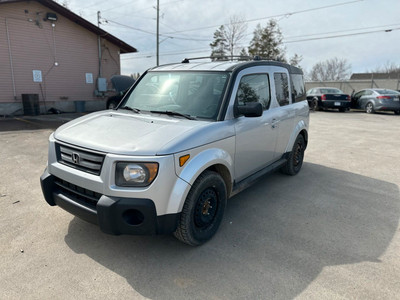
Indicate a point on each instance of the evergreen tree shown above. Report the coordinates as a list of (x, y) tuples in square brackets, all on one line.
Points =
[(243, 53), (267, 42), (219, 45), (295, 60)]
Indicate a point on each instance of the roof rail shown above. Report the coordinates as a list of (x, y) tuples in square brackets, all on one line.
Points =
[(221, 58)]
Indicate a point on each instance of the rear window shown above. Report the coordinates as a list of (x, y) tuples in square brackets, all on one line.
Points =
[(331, 91), (387, 92), (299, 91)]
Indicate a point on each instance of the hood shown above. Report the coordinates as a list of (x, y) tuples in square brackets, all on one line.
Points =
[(128, 133)]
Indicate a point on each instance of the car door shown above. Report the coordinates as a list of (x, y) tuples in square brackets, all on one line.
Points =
[(365, 97), (355, 99), (255, 136), (283, 112)]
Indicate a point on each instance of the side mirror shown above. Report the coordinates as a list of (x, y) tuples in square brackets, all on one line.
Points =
[(250, 109)]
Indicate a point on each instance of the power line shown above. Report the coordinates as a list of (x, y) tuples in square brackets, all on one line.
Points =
[(339, 31), (270, 17), (95, 4), (153, 33), (310, 39), (150, 55), (342, 35)]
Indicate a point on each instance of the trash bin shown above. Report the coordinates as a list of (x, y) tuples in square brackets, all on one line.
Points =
[(30, 103), (79, 106)]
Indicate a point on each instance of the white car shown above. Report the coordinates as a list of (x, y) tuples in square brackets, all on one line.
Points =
[(184, 139)]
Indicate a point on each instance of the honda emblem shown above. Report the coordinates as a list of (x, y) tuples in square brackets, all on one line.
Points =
[(75, 158)]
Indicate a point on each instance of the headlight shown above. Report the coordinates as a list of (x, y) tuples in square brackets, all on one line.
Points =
[(135, 174)]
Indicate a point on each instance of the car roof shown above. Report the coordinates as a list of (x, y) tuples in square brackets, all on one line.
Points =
[(224, 66), (326, 87)]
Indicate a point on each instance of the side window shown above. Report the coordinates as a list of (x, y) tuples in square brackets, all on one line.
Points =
[(299, 92), (282, 88), (254, 88), (359, 94), (368, 93)]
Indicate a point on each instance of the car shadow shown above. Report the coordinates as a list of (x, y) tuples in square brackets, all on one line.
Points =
[(276, 237)]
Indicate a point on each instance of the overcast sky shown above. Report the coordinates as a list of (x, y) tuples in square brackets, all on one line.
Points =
[(305, 25)]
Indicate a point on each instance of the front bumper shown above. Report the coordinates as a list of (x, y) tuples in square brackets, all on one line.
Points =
[(114, 215)]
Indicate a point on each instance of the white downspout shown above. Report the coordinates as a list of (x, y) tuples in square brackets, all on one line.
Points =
[(11, 61)]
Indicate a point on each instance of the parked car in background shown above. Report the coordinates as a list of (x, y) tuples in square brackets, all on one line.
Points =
[(121, 84), (372, 100), (326, 97)]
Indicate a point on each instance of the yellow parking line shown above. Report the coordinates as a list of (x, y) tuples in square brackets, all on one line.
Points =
[(26, 121)]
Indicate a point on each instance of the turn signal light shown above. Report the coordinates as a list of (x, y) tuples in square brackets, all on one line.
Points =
[(183, 159)]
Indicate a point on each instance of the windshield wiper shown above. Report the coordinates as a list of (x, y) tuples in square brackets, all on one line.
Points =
[(136, 110), (173, 113)]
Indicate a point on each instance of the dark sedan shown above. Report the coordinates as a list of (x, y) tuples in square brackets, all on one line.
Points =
[(326, 97), (372, 100), (121, 84)]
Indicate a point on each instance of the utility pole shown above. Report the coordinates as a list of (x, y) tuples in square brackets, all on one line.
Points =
[(99, 42), (158, 32)]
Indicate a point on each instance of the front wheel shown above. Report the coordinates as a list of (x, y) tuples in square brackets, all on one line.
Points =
[(203, 209), (295, 159)]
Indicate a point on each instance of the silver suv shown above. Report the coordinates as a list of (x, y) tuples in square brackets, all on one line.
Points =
[(184, 139)]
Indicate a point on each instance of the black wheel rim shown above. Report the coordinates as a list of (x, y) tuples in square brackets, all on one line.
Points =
[(298, 154), (206, 208)]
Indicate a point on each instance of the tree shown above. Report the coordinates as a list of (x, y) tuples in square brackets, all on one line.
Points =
[(331, 69), (243, 53), (234, 34), (389, 67), (267, 42), (227, 39), (219, 45), (295, 60)]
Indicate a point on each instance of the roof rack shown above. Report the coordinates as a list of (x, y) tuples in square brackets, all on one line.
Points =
[(222, 58)]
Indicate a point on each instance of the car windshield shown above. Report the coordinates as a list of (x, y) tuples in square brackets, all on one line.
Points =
[(331, 91), (387, 92), (196, 94)]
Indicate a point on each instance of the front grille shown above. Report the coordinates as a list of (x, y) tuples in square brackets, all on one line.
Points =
[(87, 161), (81, 195)]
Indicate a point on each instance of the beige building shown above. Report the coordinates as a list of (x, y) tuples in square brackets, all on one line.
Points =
[(51, 56)]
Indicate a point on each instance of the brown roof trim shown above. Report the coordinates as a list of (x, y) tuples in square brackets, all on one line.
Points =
[(124, 47)]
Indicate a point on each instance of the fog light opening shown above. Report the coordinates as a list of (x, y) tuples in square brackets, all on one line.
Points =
[(133, 217)]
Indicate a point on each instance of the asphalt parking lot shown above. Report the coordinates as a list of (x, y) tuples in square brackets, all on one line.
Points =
[(331, 232)]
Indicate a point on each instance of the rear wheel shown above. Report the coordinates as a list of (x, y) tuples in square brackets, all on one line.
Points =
[(369, 108), (397, 112), (295, 159), (342, 109), (203, 209), (314, 105)]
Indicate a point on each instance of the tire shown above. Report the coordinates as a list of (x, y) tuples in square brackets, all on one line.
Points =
[(369, 108), (296, 156), (342, 109), (203, 209), (397, 112), (112, 104), (314, 105)]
